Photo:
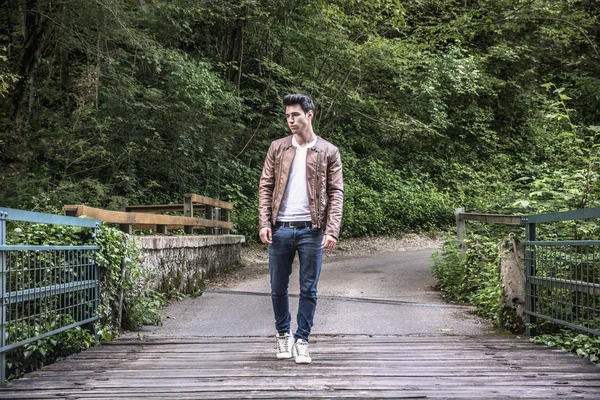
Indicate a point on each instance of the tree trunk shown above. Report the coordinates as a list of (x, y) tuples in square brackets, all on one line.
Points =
[(235, 50), (37, 31)]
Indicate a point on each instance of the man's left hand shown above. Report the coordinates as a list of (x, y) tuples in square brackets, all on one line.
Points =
[(328, 242)]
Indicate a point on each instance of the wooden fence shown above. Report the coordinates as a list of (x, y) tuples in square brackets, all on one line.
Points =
[(216, 215), (462, 217)]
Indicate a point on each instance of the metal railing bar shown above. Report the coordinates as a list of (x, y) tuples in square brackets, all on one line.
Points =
[(14, 247), (559, 283), (584, 213), (12, 214), (47, 291), (563, 243), (565, 323), (596, 259), (11, 346)]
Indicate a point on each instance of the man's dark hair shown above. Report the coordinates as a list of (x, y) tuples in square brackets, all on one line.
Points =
[(303, 100)]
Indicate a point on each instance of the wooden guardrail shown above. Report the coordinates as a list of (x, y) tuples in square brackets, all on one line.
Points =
[(217, 215), (462, 217)]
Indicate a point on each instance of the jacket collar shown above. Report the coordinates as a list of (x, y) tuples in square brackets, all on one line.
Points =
[(288, 142)]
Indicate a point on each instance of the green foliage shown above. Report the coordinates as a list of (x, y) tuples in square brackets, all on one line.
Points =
[(379, 200), (573, 181), (45, 351), (121, 274), (110, 103), (6, 78), (472, 278), (123, 281), (244, 212), (585, 346)]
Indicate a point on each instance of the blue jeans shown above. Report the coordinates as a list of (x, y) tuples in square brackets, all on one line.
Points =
[(286, 241)]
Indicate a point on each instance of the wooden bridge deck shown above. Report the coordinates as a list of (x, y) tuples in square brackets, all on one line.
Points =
[(400, 367)]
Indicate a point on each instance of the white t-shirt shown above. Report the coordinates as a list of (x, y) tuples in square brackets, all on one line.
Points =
[(294, 205)]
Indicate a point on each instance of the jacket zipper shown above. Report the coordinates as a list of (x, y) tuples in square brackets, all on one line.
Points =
[(317, 189), (279, 174)]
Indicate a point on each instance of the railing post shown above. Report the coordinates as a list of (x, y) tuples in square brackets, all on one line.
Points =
[(209, 214), (188, 206), (530, 290), (226, 214), (188, 211), (461, 229), (2, 303), (127, 228)]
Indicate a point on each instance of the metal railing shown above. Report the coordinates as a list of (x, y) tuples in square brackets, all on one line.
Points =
[(562, 277), (45, 289)]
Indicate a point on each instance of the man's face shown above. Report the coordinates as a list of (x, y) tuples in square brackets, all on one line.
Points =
[(297, 120)]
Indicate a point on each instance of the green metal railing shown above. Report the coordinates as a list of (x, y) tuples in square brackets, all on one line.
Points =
[(45, 289), (562, 277)]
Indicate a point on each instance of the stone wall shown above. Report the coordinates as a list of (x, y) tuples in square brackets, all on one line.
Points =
[(181, 263), (512, 282)]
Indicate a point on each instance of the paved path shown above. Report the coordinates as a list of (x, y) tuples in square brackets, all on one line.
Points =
[(387, 294)]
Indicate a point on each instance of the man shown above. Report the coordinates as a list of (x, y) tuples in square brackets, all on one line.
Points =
[(301, 194)]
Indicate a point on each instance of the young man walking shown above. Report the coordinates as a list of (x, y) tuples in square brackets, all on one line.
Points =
[(301, 195)]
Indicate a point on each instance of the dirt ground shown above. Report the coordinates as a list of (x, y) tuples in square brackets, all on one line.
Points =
[(254, 257)]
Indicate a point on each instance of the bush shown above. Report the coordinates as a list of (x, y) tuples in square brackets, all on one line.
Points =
[(120, 270), (379, 200), (583, 345), (472, 278)]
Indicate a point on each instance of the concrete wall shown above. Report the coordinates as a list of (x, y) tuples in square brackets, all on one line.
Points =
[(181, 263)]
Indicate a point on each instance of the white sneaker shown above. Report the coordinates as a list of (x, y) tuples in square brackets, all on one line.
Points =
[(300, 351), (285, 342)]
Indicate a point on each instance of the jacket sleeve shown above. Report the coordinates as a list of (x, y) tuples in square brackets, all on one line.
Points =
[(335, 193), (265, 190)]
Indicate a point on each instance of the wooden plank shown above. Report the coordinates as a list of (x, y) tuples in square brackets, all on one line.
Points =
[(119, 217), (155, 227), (126, 371), (503, 219), (358, 367), (160, 208), (155, 208), (197, 199)]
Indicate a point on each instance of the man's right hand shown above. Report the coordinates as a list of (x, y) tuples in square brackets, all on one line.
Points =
[(266, 235)]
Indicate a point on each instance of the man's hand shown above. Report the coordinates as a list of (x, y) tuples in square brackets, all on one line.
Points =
[(328, 242), (266, 235)]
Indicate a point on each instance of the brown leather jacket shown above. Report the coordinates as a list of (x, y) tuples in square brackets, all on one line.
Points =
[(323, 177)]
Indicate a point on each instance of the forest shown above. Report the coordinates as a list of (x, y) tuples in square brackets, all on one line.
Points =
[(493, 106)]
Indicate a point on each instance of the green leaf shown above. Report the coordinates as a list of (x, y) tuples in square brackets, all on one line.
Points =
[(594, 128)]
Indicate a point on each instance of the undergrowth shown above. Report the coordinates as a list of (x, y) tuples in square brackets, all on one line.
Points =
[(472, 278), (126, 300)]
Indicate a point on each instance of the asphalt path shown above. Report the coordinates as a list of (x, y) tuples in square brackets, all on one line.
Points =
[(384, 294)]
